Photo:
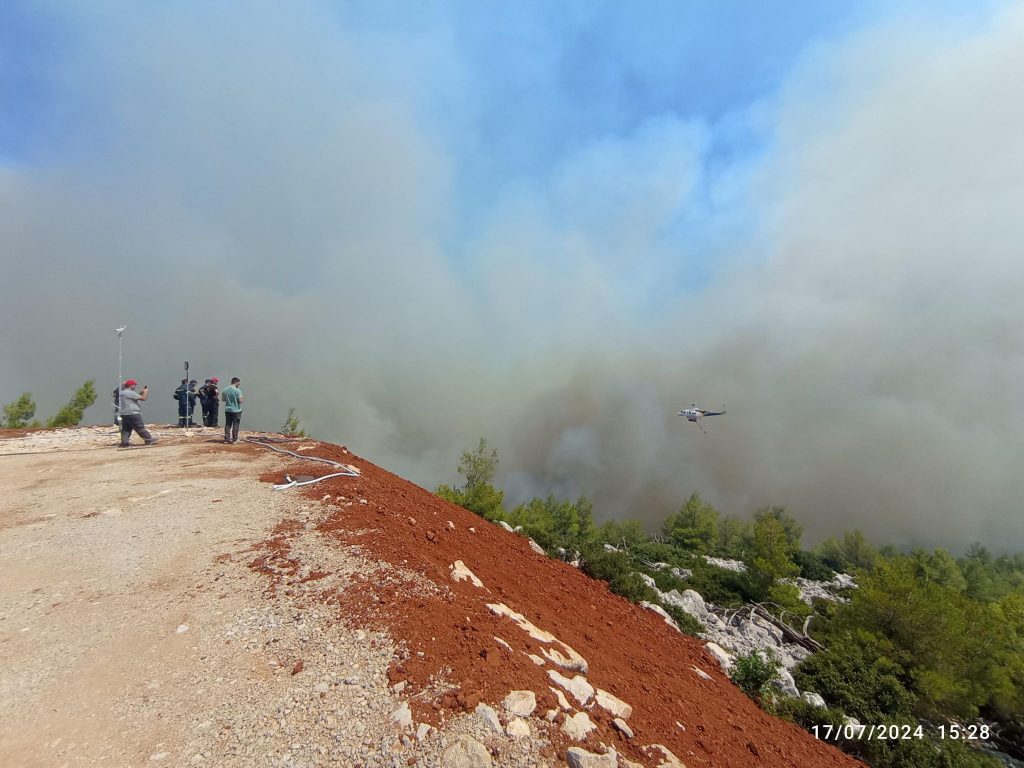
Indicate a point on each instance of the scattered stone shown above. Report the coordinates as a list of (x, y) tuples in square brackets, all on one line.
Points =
[(402, 717), (460, 573), (668, 759), (322, 687), (813, 699), (520, 703), (422, 731), (724, 659), (506, 526), (399, 686), (623, 727), (489, 716), (160, 756), (562, 701), (578, 686), (517, 728), (536, 547), (701, 673), (467, 752), (580, 758), (182, 629), (613, 704), (578, 726), (451, 526), (536, 659), (298, 667)]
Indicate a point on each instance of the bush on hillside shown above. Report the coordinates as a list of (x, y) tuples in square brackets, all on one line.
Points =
[(71, 414), (19, 413), (753, 672), (617, 569)]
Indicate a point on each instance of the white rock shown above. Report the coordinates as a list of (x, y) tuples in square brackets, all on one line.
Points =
[(661, 612), (784, 682), (647, 580), (623, 727), (182, 629), (852, 721), (550, 715), (578, 686), (562, 701), (451, 526), (700, 673), (506, 526), (402, 717), (725, 660), (690, 601), (580, 758), (489, 716), (520, 703), (537, 547), (160, 756), (668, 759), (460, 573), (422, 731), (467, 752), (613, 704), (536, 659), (559, 653), (578, 726), (729, 565), (517, 728), (813, 699)]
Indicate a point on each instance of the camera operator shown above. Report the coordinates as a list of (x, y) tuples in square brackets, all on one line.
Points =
[(131, 413)]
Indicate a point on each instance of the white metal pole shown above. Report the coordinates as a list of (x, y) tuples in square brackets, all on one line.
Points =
[(120, 373)]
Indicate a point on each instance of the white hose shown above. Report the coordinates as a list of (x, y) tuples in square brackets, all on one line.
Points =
[(346, 471)]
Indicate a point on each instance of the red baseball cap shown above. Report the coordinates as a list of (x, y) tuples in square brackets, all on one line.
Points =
[(131, 383), (214, 379)]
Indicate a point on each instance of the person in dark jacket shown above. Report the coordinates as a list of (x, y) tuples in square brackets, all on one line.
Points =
[(192, 395), (204, 402), (209, 395), (181, 395)]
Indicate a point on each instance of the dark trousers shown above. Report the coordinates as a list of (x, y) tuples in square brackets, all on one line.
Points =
[(133, 421), (182, 412), (206, 411), (232, 421), (214, 410)]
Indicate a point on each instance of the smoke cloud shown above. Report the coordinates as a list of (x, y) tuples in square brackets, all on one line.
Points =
[(415, 240)]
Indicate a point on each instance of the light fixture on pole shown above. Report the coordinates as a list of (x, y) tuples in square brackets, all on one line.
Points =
[(117, 399)]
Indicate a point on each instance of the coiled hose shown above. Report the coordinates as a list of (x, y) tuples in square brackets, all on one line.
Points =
[(265, 442)]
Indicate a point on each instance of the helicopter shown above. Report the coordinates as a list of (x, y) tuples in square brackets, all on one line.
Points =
[(693, 413)]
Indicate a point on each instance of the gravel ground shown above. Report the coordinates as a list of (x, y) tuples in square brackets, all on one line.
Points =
[(133, 631)]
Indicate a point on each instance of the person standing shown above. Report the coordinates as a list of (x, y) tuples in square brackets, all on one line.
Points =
[(192, 395), (181, 395), (204, 402), (131, 413), (233, 399), (214, 397)]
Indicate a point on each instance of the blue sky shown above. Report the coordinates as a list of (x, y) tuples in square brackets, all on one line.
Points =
[(552, 224)]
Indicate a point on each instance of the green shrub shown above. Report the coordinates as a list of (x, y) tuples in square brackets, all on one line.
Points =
[(19, 413), (752, 672), (618, 570), (813, 567), (71, 414), (687, 623), (851, 677)]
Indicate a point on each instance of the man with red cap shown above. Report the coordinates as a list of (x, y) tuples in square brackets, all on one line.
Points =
[(209, 396), (131, 413)]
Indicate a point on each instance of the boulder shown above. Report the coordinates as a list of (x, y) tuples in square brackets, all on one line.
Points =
[(578, 686), (578, 726), (489, 716), (520, 703), (580, 758), (461, 573), (623, 727), (785, 683), (613, 704), (517, 728), (506, 526), (813, 699), (467, 752), (725, 660)]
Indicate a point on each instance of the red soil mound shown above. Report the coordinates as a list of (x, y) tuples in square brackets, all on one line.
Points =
[(450, 634)]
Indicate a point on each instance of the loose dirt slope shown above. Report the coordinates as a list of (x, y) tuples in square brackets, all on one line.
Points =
[(161, 606)]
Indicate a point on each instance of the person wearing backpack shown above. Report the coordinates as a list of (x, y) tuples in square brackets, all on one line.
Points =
[(233, 399)]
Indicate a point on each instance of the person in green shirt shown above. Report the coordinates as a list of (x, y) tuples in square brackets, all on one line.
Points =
[(233, 398)]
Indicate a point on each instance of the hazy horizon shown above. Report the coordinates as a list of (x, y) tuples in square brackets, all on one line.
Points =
[(553, 228)]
